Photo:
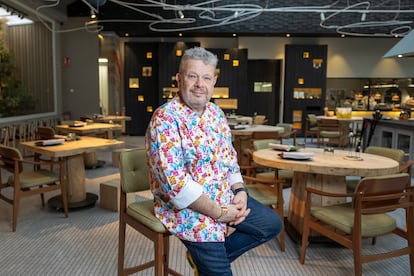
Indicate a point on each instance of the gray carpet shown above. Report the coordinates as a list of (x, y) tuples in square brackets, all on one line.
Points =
[(47, 243)]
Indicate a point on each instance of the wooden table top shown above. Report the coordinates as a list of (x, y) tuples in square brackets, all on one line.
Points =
[(70, 148), (88, 128), (113, 118), (328, 163), (251, 128), (351, 119)]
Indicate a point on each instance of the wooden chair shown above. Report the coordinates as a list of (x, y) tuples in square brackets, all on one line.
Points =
[(28, 182), (269, 192), (395, 154), (330, 133), (311, 127), (288, 133), (366, 216), (140, 215), (260, 120), (260, 140)]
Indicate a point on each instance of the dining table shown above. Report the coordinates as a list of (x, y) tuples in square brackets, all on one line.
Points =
[(116, 119), (72, 152), (90, 129), (324, 170), (241, 138), (105, 130)]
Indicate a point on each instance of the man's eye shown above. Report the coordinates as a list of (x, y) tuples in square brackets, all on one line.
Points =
[(207, 79), (192, 77)]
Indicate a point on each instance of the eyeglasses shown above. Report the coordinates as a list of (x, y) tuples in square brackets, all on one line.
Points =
[(194, 77)]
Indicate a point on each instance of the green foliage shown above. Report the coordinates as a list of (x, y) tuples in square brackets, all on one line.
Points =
[(14, 100)]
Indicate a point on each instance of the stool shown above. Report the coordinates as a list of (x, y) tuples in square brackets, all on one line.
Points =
[(109, 195), (115, 157)]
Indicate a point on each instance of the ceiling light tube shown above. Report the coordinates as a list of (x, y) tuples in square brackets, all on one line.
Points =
[(181, 14), (322, 16)]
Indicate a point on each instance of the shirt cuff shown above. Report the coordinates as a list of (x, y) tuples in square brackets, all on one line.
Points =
[(236, 178), (188, 194)]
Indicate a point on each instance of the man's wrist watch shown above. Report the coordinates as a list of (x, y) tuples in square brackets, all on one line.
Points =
[(244, 189)]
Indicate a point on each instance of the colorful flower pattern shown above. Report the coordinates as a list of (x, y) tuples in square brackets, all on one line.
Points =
[(183, 149)]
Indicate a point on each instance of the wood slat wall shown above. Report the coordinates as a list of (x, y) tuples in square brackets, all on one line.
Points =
[(32, 48)]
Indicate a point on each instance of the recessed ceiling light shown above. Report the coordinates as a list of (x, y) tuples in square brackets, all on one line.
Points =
[(234, 34), (287, 35)]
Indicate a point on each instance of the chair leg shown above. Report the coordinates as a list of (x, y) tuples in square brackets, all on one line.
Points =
[(16, 202), (63, 188), (305, 236), (158, 255), (357, 251), (166, 254), (121, 247)]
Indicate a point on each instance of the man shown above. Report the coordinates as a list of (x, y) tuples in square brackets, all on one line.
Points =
[(195, 178)]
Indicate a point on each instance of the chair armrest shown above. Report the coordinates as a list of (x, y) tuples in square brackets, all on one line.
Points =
[(406, 167), (33, 162), (268, 181), (323, 193)]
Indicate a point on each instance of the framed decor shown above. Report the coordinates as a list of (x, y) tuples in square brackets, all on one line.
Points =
[(133, 83), (146, 71)]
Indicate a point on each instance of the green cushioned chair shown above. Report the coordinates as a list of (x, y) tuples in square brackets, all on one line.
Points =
[(311, 127), (140, 215), (26, 182), (395, 154), (269, 192), (365, 216)]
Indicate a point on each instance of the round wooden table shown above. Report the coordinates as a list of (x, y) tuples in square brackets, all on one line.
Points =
[(325, 171)]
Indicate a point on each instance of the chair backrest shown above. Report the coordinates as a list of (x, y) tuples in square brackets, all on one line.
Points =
[(395, 154), (381, 193), (8, 157), (45, 133), (260, 120), (261, 139), (313, 121), (328, 125), (286, 127), (134, 171)]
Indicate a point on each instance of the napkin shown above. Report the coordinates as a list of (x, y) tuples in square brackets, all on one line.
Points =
[(297, 155), (50, 142)]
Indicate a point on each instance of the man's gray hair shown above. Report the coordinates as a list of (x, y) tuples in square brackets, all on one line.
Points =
[(200, 54)]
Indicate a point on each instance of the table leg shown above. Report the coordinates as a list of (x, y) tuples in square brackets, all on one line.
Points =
[(297, 200), (75, 179)]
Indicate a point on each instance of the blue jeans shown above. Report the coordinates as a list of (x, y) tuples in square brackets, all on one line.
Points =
[(214, 258)]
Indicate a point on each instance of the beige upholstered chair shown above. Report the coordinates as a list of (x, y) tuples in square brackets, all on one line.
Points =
[(260, 120), (330, 133), (311, 127), (140, 215), (395, 154), (26, 182), (269, 192), (261, 140), (288, 133), (366, 216)]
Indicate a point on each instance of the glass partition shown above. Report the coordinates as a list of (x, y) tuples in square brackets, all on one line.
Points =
[(27, 70), (370, 94)]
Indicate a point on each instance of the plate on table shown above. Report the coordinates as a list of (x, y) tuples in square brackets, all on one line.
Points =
[(297, 155), (282, 147)]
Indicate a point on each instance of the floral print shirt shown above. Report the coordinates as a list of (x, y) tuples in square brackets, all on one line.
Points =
[(189, 155)]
